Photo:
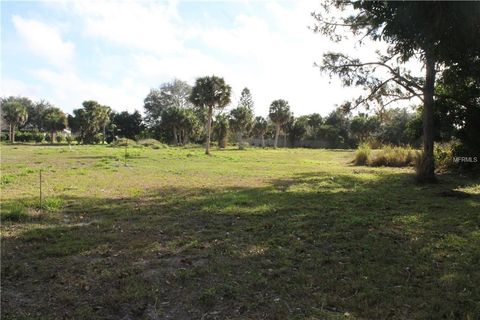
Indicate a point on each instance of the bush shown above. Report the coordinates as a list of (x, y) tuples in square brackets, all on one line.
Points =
[(23, 136), (149, 142), (38, 137), (446, 153), (59, 138), (48, 137), (69, 138), (122, 142), (97, 138), (362, 155), (443, 154), (3, 136)]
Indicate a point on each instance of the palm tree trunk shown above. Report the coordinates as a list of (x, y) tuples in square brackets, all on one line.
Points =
[(209, 128), (285, 139), (104, 131), (263, 141), (277, 132), (13, 133), (10, 133), (426, 171), (240, 140), (53, 136), (175, 136)]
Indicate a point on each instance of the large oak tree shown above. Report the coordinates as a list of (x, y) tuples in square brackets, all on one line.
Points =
[(440, 34)]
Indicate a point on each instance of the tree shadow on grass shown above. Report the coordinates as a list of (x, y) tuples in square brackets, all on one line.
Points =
[(312, 245)]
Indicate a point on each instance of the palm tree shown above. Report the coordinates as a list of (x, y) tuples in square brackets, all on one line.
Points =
[(16, 114), (260, 126), (211, 93), (54, 119), (241, 119), (221, 129), (279, 113), (103, 115)]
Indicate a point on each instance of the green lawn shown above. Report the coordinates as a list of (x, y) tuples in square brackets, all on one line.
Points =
[(255, 234)]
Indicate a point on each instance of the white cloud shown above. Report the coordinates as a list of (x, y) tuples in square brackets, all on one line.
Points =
[(146, 43), (139, 25), (14, 87), (45, 41), (69, 90)]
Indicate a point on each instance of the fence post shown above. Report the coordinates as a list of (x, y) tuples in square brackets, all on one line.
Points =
[(40, 172)]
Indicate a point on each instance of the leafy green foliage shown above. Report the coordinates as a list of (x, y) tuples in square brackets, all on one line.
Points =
[(53, 120), (210, 93), (279, 113), (220, 129), (90, 121), (15, 114)]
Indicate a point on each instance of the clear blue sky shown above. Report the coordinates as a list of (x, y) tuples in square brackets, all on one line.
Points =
[(114, 52)]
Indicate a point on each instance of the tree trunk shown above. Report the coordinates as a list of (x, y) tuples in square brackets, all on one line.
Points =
[(175, 136), (10, 133), (13, 134), (209, 129), (426, 169), (240, 140), (277, 132), (53, 136), (284, 139), (104, 131), (263, 141)]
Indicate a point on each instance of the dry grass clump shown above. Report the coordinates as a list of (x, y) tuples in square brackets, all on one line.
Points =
[(362, 155), (388, 156)]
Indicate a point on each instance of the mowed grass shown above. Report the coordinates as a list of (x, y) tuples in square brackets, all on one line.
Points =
[(254, 234)]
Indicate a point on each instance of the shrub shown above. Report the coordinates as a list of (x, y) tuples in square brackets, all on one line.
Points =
[(362, 155), (38, 137), (148, 142), (59, 138), (121, 142), (443, 154), (23, 136), (69, 138), (97, 138), (3, 136)]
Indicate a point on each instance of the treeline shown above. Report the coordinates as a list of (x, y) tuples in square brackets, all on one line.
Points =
[(178, 114)]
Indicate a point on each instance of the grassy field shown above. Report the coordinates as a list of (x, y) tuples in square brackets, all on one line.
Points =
[(254, 234)]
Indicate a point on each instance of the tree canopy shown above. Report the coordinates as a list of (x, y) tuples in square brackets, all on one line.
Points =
[(279, 113), (440, 34), (210, 93)]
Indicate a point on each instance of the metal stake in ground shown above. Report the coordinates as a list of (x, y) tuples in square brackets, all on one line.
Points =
[(126, 145), (40, 174)]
